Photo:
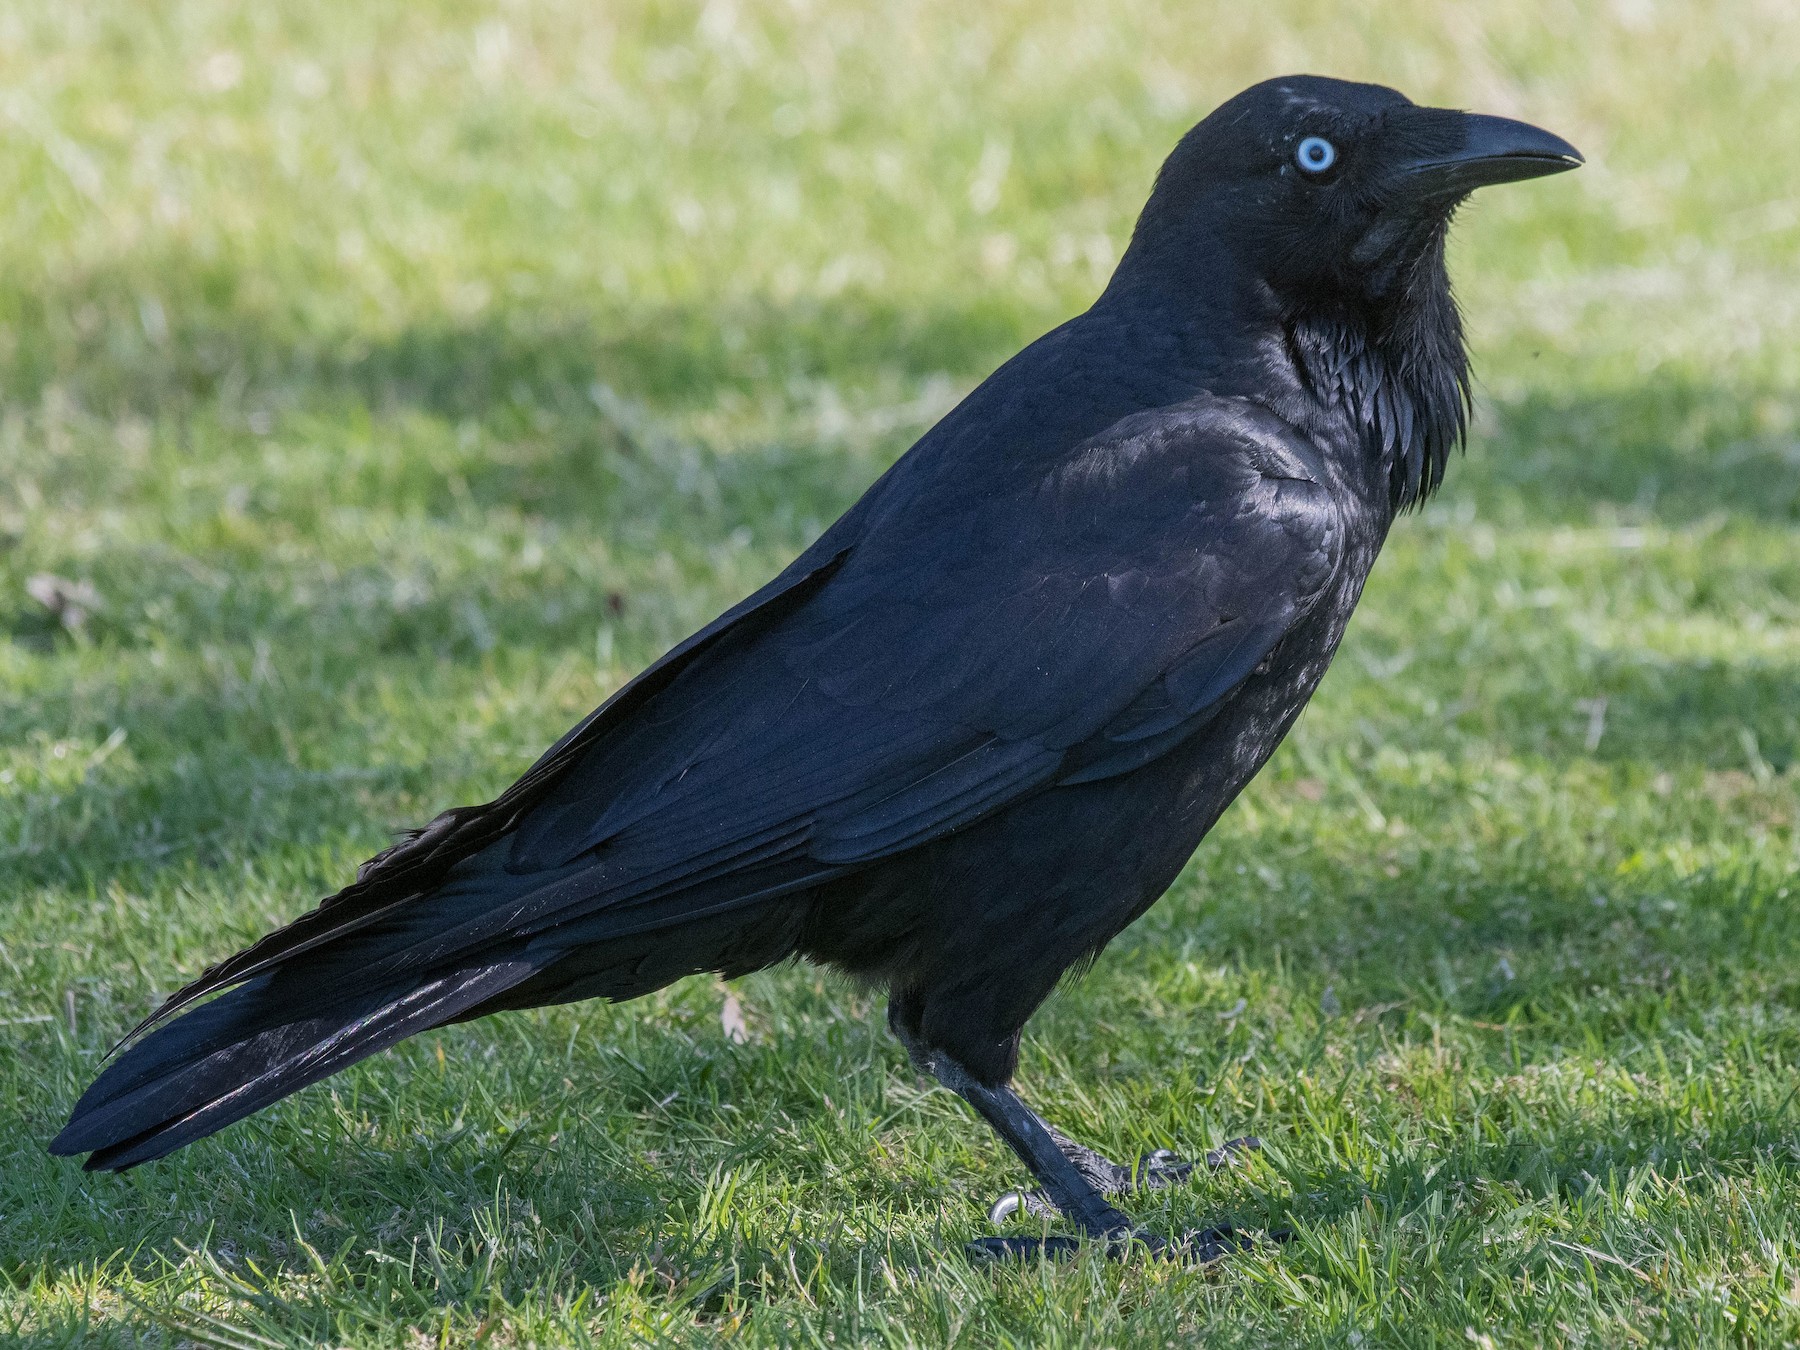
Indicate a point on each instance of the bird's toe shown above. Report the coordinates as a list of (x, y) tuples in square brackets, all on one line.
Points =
[(1154, 1171), (1229, 1151), (994, 1249), (1165, 1167), (1201, 1246), (1034, 1203)]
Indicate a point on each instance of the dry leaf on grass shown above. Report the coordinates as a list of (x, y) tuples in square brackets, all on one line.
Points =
[(731, 1020), (70, 601)]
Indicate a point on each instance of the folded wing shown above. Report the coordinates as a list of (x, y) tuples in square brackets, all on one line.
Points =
[(952, 646)]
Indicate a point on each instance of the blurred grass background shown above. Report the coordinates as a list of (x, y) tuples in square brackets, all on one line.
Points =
[(384, 383)]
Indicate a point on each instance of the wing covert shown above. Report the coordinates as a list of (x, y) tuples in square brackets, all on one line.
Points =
[(1066, 624)]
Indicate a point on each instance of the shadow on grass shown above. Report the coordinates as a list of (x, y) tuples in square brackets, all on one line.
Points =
[(1672, 451), (497, 1226), (1471, 1183), (569, 1175), (224, 346), (1721, 715), (551, 450), (212, 775), (544, 1182)]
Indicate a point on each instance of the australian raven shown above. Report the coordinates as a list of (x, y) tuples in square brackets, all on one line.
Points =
[(980, 725)]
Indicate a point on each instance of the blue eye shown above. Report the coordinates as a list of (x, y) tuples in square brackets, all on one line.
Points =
[(1315, 154)]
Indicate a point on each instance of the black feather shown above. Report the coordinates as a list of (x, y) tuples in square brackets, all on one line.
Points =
[(982, 723)]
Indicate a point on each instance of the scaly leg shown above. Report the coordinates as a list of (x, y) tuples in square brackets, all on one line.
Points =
[(1066, 1184), (1153, 1172)]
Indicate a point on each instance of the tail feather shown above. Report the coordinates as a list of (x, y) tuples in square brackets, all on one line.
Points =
[(418, 865), (185, 1081), (440, 927), (393, 975)]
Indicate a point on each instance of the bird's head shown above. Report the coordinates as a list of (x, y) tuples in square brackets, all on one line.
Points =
[(1325, 187), (1326, 203)]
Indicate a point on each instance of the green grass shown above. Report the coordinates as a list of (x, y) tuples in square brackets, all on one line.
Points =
[(401, 376)]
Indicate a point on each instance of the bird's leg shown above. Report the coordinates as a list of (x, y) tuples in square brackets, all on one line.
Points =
[(1067, 1184), (1070, 1191), (1152, 1172)]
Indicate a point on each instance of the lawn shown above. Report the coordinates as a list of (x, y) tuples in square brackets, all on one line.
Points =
[(384, 382)]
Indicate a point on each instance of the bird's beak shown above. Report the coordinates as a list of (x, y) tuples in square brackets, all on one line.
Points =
[(1471, 150)]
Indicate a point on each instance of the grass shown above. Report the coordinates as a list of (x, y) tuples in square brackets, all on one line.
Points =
[(399, 377)]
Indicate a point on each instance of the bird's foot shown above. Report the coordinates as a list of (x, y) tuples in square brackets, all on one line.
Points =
[(1153, 1171), (1201, 1247)]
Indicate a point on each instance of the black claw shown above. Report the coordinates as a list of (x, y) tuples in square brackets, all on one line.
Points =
[(1154, 1171), (1008, 1205), (1226, 1153), (1207, 1245), (1034, 1204)]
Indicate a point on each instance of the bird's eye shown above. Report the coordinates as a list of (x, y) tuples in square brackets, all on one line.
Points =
[(1315, 154)]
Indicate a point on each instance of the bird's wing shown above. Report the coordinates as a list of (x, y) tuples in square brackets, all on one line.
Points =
[(419, 861), (1068, 621), (971, 641)]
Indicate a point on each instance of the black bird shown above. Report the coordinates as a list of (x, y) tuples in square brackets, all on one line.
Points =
[(980, 725)]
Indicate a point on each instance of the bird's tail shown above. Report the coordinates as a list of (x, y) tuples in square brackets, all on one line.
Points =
[(270, 1036), (341, 983)]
